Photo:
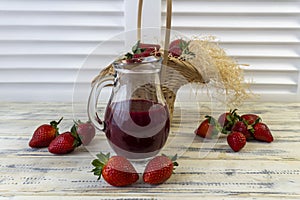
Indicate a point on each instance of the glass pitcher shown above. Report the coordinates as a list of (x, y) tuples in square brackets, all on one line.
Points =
[(136, 119)]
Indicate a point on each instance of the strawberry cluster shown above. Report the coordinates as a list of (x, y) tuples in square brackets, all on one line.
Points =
[(47, 135), (238, 129), (118, 171)]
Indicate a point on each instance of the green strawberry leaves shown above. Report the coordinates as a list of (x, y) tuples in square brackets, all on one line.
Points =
[(100, 163)]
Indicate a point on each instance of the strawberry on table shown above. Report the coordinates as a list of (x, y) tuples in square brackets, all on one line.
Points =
[(159, 169), (236, 141), (227, 120), (209, 128), (44, 135), (86, 131), (116, 170), (240, 126), (262, 132), (250, 119), (64, 143)]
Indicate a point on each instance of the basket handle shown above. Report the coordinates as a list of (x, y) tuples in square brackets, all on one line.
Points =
[(168, 26)]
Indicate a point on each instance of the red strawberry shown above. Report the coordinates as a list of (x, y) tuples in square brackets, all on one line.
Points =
[(116, 170), (175, 51), (250, 119), (150, 50), (262, 132), (86, 131), (227, 120), (64, 143), (236, 141), (159, 169), (176, 47), (44, 134), (134, 60), (142, 55), (209, 128), (140, 51), (240, 126), (145, 50)]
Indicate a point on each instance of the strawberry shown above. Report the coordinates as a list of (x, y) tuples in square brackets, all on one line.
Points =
[(65, 143), (116, 170), (86, 131), (227, 120), (141, 51), (250, 119), (241, 127), (236, 141), (175, 51), (44, 134), (262, 132), (209, 128), (159, 169), (177, 47), (134, 60), (142, 54)]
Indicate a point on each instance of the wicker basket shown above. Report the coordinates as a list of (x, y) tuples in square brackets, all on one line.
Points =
[(174, 73)]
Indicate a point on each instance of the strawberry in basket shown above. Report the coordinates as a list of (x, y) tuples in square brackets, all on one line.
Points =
[(140, 51)]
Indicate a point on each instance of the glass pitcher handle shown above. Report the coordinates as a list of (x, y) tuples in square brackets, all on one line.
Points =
[(93, 99)]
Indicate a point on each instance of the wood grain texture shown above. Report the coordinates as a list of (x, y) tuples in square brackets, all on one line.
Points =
[(208, 168)]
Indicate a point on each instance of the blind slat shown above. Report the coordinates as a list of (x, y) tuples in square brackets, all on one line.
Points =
[(235, 6), (66, 33), (54, 61), (46, 18), (62, 5), (47, 76), (57, 48)]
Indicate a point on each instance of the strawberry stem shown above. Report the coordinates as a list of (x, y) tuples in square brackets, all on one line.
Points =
[(256, 121), (232, 118), (135, 48), (100, 163), (54, 124), (74, 133)]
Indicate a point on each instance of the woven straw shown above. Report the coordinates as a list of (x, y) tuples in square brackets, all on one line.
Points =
[(174, 72)]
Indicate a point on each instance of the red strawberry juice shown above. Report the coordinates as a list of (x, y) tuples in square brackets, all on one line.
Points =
[(137, 128)]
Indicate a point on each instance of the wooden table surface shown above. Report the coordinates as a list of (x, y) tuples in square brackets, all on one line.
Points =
[(207, 168)]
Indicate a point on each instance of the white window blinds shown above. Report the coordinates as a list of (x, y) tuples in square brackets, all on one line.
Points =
[(262, 33), (44, 42)]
